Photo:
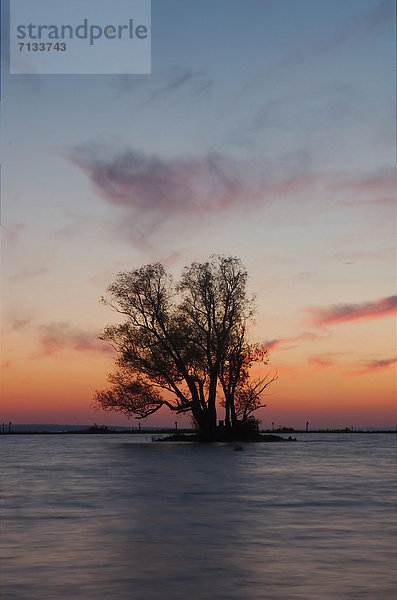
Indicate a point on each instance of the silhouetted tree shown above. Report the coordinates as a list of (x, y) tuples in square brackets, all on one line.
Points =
[(182, 343), (249, 396)]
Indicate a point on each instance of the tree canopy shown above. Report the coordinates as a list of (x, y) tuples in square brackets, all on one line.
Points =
[(184, 345)]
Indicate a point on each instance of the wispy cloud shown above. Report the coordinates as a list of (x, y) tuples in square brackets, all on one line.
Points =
[(350, 369), (170, 82), (285, 342), (164, 187), (12, 233), (148, 183), (55, 337), (358, 28), (384, 180), (20, 324), (28, 272), (321, 361), (381, 201), (150, 191), (177, 80), (341, 313), (375, 366), (271, 344), (365, 254)]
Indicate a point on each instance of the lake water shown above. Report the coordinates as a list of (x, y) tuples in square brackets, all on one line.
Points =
[(110, 517)]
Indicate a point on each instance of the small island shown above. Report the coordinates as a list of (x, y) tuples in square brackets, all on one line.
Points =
[(220, 437), (185, 346)]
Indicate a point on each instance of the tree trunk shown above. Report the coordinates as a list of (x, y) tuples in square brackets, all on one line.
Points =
[(227, 414), (212, 419), (233, 414), (206, 421)]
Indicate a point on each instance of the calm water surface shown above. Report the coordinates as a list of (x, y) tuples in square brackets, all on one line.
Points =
[(110, 517)]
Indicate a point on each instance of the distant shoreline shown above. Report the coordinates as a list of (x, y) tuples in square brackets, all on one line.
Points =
[(110, 431)]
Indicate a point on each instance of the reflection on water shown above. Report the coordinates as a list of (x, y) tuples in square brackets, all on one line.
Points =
[(104, 517)]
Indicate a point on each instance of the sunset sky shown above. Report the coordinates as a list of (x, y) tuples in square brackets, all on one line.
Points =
[(265, 131)]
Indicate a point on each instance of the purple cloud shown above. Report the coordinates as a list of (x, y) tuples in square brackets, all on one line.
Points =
[(375, 366), (383, 181), (150, 184), (341, 313), (168, 83), (18, 324), (286, 341), (270, 344), (322, 361), (55, 337)]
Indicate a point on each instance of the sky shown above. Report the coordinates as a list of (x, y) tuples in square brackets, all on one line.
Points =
[(266, 132)]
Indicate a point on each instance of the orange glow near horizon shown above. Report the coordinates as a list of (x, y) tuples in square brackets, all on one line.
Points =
[(61, 389), (331, 378)]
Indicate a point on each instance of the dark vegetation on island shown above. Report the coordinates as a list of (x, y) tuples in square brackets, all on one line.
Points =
[(224, 437), (173, 434)]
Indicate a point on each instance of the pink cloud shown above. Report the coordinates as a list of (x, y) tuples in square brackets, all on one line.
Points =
[(18, 324), (341, 313), (149, 183), (12, 233), (285, 342), (349, 369), (152, 184), (60, 336), (383, 201), (149, 190), (321, 361), (270, 344), (375, 366), (382, 181)]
